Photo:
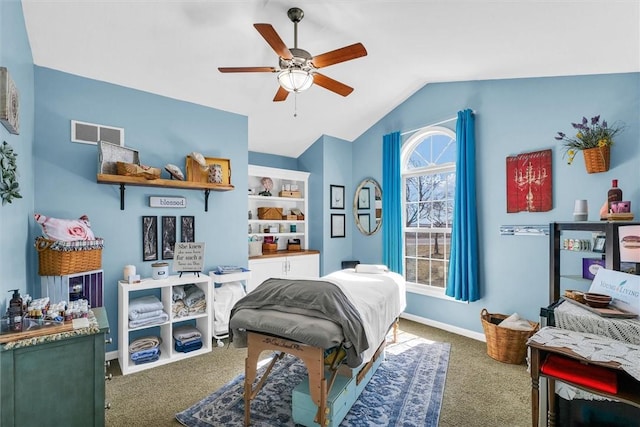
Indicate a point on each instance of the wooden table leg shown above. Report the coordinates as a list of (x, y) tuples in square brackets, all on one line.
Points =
[(551, 402), (535, 385)]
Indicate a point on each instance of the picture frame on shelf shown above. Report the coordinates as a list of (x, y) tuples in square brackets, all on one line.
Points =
[(364, 198), (338, 225), (149, 238), (168, 236), (599, 244), (337, 196), (187, 229)]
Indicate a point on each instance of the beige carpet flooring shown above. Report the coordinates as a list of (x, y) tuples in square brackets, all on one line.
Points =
[(479, 391)]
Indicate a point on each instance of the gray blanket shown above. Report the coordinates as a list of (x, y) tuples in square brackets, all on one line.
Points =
[(313, 298)]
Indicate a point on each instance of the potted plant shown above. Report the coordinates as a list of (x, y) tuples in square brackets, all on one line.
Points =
[(594, 138)]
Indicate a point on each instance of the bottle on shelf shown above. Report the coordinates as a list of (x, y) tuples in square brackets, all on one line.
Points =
[(15, 311), (614, 194)]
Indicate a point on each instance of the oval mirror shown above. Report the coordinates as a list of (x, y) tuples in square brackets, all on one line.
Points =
[(367, 206)]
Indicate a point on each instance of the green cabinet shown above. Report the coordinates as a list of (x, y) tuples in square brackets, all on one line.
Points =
[(56, 383)]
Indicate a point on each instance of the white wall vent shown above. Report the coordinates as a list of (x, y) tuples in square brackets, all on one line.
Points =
[(91, 133)]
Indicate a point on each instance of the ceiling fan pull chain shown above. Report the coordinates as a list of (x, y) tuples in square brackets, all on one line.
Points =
[(295, 104)]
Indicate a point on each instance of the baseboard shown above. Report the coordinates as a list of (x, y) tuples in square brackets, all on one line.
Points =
[(445, 327), (111, 355)]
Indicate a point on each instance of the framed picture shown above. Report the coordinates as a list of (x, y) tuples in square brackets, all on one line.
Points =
[(168, 236), (363, 198), (337, 196), (149, 238), (337, 225), (599, 243), (187, 229), (365, 222), (9, 102)]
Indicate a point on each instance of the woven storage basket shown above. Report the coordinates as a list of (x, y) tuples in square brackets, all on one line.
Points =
[(597, 159), (504, 344), (53, 261)]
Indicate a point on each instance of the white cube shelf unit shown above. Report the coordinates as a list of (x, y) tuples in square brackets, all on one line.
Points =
[(202, 321)]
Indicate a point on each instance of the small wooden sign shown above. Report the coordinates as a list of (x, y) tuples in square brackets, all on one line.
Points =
[(188, 257), (167, 202)]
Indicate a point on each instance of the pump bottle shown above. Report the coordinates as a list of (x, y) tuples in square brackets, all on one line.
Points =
[(15, 311)]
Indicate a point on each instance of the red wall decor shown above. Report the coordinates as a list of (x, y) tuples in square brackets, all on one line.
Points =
[(529, 182)]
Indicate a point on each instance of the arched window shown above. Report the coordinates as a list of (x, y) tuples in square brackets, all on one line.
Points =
[(429, 179)]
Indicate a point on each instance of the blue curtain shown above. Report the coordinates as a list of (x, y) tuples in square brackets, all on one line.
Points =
[(391, 203), (462, 283)]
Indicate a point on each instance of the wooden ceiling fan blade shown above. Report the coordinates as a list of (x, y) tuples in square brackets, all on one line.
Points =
[(247, 69), (331, 84), (269, 34), (281, 94), (337, 56)]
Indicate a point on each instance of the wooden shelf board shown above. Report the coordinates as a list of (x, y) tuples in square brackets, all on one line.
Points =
[(166, 183)]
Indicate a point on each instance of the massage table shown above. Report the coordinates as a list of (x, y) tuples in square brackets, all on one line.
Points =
[(340, 320)]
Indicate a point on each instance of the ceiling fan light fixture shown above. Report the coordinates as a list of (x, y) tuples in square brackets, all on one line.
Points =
[(295, 80)]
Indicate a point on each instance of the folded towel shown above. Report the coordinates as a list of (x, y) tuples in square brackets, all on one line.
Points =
[(147, 359), (143, 305), (145, 354), (185, 332), (144, 343), (188, 341), (189, 347), (517, 323), (161, 318), (372, 268), (193, 295), (178, 292)]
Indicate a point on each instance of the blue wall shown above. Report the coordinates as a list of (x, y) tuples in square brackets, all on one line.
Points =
[(163, 131), (514, 116), (16, 248)]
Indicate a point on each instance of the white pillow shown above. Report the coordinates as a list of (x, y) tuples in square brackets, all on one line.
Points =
[(66, 230)]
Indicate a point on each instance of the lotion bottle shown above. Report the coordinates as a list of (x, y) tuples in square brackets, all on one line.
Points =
[(15, 311)]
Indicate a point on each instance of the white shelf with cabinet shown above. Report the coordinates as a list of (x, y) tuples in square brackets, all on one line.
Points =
[(280, 179), (202, 321)]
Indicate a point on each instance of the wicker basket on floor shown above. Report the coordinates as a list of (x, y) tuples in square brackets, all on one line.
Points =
[(504, 344)]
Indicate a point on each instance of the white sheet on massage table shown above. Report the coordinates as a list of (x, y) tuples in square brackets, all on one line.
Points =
[(379, 299)]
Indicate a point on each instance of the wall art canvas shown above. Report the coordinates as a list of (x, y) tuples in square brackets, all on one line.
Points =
[(9, 102), (168, 236), (149, 238), (529, 183)]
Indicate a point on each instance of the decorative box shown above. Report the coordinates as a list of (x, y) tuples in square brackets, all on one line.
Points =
[(269, 247), (110, 154), (269, 213), (292, 194), (590, 267), (218, 171)]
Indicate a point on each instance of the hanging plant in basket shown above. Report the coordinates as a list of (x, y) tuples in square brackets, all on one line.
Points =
[(9, 187), (594, 138)]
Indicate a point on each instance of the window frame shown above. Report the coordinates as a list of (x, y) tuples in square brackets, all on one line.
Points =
[(407, 150)]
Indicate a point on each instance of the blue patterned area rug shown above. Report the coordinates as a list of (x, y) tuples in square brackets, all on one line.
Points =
[(406, 390)]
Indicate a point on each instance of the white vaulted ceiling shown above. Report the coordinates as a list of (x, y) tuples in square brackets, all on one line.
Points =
[(174, 47)]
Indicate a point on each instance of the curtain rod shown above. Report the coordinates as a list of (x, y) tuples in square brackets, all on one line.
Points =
[(433, 124)]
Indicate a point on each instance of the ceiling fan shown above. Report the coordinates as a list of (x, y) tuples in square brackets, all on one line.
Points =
[(298, 70)]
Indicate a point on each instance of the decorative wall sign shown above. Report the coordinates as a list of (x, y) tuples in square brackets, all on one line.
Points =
[(9, 103), (529, 182), (188, 256), (167, 202)]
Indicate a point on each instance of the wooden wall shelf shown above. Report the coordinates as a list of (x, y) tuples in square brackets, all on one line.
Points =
[(123, 180)]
